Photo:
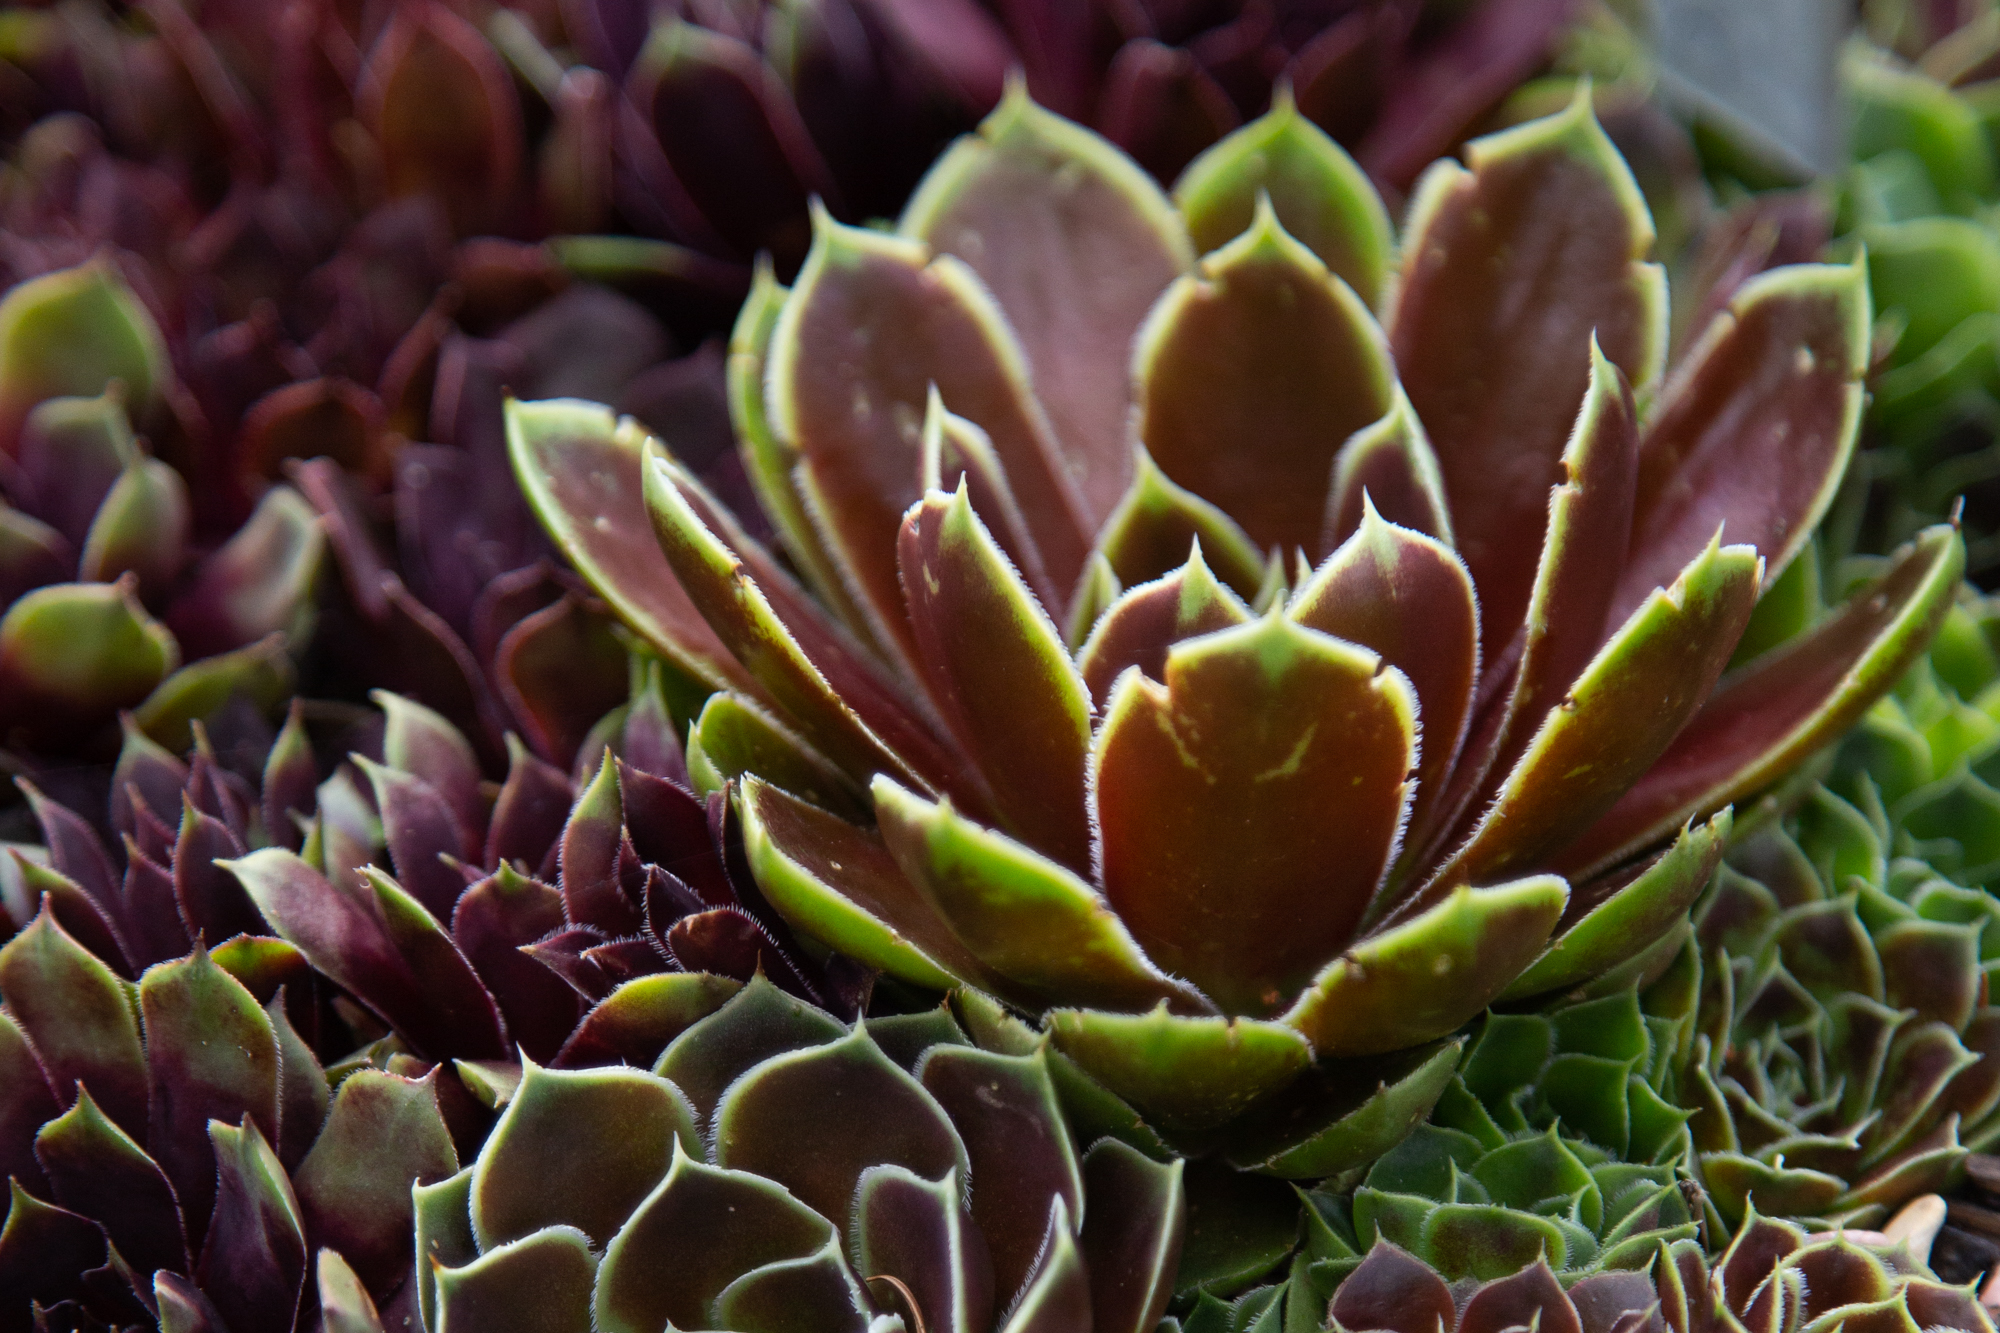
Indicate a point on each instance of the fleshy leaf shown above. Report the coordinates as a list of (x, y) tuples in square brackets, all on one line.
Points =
[(443, 1234), (635, 1022), (1075, 242), (1006, 1109), (253, 1263), (1145, 621), (813, 1295), (1407, 598), (73, 654), (71, 333), (1264, 349), (420, 742), (344, 1304), (1059, 1297), (211, 1054), (96, 1170), (26, 1103), (1608, 921), (1389, 464), (998, 670), (454, 1000), (1765, 718), (1131, 1238), (1319, 194), (839, 884), (420, 830), (916, 1232), (1754, 430), (1190, 1074), (257, 583), (78, 1016), (868, 1113), (577, 1148), (873, 323), (694, 1234), (1154, 526), (834, 694), (1030, 920), (1212, 805), (1343, 1114), (259, 674), (538, 1284), (734, 736), (579, 468), (1433, 972), (758, 1022), (1620, 715), (383, 1135), (1492, 326), (141, 528)]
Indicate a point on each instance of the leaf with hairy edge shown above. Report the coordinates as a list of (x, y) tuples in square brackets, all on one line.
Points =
[(579, 468), (44, 1250), (1145, 621), (456, 1004), (916, 1232), (615, 1128), (1028, 919), (80, 1019), (768, 460), (635, 1022), (253, 1263), (211, 1054), (733, 736), (1388, 464), (1059, 1298), (1434, 971), (957, 453), (344, 1304), (872, 324), (1005, 1108), (1319, 194), (493, 919), (420, 830), (1755, 428), (866, 1112), (1767, 717), (1248, 808), (697, 1231), (1155, 525), (1251, 373), (383, 1135), (1343, 1114), (25, 1104), (1131, 1238), (839, 884), (1188, 1074), (1616, 719), (443, 1233), (1492, 326), (1611, 919), (836, 697), (97, 1171), (817, 1294), (1407, 598), (538, 1284), (759, 1021), (1075, 242), (341, 930), (998, 670), (591, 836)]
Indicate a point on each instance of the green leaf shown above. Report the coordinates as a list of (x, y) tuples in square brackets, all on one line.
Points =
[(538, 1284), (1188, 1074), (74, 332)]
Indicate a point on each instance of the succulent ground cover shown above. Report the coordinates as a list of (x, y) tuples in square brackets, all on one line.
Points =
[(1305, 558), (1122, 758)]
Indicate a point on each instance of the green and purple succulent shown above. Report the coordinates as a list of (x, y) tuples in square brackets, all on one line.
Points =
[(1127, 533), (778, 1169)]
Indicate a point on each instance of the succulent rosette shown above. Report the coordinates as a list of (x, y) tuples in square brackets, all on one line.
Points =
[(576, 920), (109, 599), (175, 1152), (779, 1169), (1291, 555), (1836, 1042), (1772, 1276)]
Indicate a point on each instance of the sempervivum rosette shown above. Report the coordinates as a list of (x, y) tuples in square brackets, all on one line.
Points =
[(777, 1170), (175, 1151), (1131, 827)]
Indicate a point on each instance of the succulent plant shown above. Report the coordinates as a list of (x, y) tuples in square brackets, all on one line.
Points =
[(1837, 1044), (1129, 857), (175, 1151), (779, 1169), (569, 921), (108, 601), (1771, 1276)]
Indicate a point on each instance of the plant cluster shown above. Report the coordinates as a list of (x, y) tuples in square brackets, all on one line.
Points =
[(1184, 728)]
